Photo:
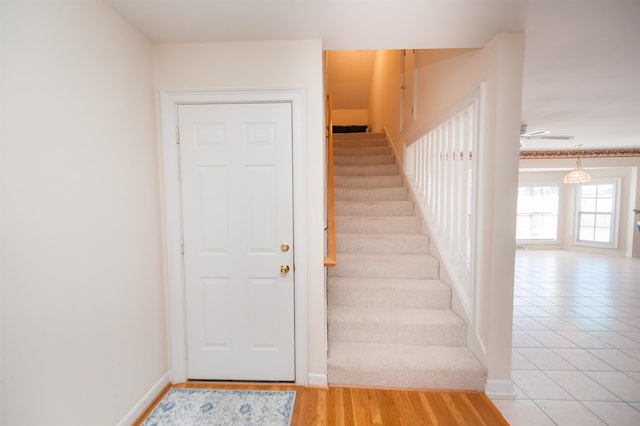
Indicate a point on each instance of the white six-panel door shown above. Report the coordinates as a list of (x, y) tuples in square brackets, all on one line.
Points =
[(236, 172)]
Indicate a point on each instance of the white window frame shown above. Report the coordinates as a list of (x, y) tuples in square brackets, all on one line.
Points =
[(615, 216), (553, 183)]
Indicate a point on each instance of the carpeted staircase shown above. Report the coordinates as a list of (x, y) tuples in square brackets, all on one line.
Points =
[(390, 317)]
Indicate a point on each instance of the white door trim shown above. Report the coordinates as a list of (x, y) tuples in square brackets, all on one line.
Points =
[(169, 101)]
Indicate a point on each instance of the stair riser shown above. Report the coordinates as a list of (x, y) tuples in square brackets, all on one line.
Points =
[(428, 268), (370, 170), (372, 245), (426, 378), (377, 209), (362, 143), (371, 194), (392, 333), (363, 160), (368, 181), (358, 136), (389, 298), (382, 225), (362, 151)]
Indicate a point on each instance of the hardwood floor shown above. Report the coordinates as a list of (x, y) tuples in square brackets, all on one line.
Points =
[(366, 406)]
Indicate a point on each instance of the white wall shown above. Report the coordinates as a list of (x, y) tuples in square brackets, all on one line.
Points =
[(82, 296), (445, 77), (290, 64), (553, 170)]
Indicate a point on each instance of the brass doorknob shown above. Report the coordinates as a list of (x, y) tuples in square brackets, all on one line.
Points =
[(284, 269)]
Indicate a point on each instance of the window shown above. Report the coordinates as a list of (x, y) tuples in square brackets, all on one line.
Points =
[(537, 217), (596, 212)]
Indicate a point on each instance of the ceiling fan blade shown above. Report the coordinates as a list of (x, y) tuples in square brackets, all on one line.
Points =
[(534, 133), (560, 137), (563, 137)]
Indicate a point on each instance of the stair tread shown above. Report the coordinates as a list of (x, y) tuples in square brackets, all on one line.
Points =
[(367, 170), (395, 283), (387, 257), (379, 218), (384, 236), (368, 188), (368, 181), (374, 203), (390, 315), (362, 150)]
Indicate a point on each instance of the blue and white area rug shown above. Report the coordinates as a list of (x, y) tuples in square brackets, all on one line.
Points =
[(190, 407)]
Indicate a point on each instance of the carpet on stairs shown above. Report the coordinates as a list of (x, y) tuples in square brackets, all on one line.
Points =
[(389, 315)]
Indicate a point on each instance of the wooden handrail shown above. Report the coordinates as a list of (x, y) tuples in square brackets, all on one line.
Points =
[(330, 258)]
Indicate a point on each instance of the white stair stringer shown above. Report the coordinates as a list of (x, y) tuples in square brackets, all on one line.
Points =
[(389, 316)]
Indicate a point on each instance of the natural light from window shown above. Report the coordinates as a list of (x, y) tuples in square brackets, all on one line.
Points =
[(596, 204), (537, 217)]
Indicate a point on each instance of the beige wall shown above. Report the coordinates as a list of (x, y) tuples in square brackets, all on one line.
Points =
[(553, 170), (349, 77), (82, 307), (384, 101), (290, 64), (349, 117), (445, 77)]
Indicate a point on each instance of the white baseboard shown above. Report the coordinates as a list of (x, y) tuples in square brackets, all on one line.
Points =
[(318, 380), (145, 401), (500, 389)]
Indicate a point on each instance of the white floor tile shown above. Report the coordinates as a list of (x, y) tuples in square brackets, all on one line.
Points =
[(633, 352), (529, 324), (576, 340), (618, 414), (556, 324), (582, 360), (634, 375), (617, 359), (585, 324), (523, 340), (581, 386), (584, 339), (615, 324), (633, 335), (618, 383), (569, 413), (551, 339), (533, 311), (519, 362), (545, 359), (536, 385), (522, 413), (616, 340)]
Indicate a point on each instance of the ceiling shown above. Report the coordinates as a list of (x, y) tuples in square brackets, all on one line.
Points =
[(582, 57)]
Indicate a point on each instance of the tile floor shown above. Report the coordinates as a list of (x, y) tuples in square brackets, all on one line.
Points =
[(576, 340)]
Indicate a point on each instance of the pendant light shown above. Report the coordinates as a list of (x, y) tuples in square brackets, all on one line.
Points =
[(578, 175)]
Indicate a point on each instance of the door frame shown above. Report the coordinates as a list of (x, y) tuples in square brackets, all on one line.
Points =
[(169, 101)]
